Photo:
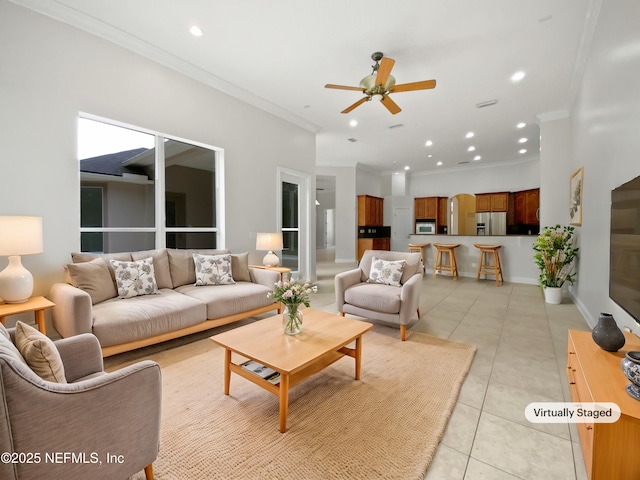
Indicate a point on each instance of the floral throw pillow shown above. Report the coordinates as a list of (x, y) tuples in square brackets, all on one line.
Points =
[(213, 269), (135, 278), (386, 272)]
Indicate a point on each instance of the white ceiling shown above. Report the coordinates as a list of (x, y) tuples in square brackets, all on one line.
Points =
[(279, 55)]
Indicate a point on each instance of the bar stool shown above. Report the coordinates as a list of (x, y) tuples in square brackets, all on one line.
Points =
[(441, 249), (485, 266), (419, 247)]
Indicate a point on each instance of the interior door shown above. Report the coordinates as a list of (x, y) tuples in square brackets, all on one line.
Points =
[(401, 229)]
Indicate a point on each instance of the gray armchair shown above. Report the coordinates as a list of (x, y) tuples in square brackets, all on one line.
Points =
[(98, 425), (386, 304)]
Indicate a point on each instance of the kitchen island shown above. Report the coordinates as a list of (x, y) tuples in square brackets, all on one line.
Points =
[(516, 254)]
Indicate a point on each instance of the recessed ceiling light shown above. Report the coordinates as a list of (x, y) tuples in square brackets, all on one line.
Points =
[(407, 167), (439, 163), (522, 140), (516, 77), (521, 125), (469, 135), (471, 148), (353, 122), (429, 156), (196, 31), (477, 157), (523, 150), (429, 143)]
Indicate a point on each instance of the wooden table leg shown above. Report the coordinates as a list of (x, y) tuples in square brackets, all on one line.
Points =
[(227, 371), (42, 326), (284, 401), (358, 356)]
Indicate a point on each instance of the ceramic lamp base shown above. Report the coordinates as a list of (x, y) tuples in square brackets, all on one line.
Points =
[(16, 282), (270, 260)]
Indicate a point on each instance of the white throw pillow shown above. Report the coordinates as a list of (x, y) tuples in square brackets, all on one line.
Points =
[(135, 278), (386, 272), (213, 269)]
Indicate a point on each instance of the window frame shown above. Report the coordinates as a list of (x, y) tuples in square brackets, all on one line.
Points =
[(160, 229)]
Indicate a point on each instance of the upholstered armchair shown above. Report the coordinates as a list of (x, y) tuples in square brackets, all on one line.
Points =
[(390, 297), (98, 425)]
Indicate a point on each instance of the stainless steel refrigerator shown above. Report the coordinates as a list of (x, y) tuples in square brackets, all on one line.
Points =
[(493, 223)]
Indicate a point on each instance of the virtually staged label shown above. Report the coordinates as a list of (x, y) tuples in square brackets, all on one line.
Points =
[(572, 412)]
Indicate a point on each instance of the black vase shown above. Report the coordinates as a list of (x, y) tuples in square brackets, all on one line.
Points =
[(607, 335)]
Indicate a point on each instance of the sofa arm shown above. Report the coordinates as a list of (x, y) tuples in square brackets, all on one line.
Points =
[(72, 313), (343, 281), (410, 298), (264, 276), (81, 356)]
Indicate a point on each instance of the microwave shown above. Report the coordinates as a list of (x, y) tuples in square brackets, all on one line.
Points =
[(426, 228)]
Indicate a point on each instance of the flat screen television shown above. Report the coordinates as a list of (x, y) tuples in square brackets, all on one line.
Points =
[(624, 256)]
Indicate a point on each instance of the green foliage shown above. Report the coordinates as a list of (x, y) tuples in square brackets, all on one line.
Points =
[(555, 253)]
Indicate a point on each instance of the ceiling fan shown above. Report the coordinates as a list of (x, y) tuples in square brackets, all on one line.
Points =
[(381, 83)]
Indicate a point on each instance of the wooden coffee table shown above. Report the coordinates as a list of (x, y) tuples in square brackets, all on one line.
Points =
[(323, 340)]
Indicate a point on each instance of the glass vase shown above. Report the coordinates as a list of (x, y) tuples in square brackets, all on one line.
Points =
[(292, 320)]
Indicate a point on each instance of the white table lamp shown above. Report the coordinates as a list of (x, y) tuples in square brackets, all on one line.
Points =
[(19, 235), (270, 242)]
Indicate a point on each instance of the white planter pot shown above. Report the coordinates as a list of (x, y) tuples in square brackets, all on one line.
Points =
[(553, 295)]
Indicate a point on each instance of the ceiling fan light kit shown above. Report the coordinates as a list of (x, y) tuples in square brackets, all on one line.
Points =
[(381, 83)]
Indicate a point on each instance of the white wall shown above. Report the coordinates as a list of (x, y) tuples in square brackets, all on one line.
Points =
[(51, 72), (606, 122), (346, 214), (510, 177)]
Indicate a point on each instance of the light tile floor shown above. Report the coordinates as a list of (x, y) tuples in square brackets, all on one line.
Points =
[(521, 358)]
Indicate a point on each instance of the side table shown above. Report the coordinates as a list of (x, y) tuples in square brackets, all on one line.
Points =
[(35, 304), (280, 270)]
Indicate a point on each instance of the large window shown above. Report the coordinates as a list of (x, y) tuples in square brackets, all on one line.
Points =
[(141, 191)]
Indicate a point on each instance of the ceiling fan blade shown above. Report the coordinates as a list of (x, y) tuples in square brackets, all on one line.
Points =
[(343, 87), (408, 87), (357, 104), (384, 70), (390, 104)]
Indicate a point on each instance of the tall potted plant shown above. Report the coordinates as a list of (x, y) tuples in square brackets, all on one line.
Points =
[(555, 252)]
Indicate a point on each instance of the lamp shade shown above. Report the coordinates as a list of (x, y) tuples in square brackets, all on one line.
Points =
[(20, 235), (269, 241)]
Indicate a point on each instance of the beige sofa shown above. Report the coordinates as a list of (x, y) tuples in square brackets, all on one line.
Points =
[(88, 301)]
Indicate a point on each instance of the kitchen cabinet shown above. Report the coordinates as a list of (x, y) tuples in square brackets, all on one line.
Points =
[(426, 208), (492, 202), (373, 244), (442, 212), (370, 211), (526, 205)]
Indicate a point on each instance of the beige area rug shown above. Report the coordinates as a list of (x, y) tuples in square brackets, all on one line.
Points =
[(385, 426)]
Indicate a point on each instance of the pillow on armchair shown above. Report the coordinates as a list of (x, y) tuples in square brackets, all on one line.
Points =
[(386, 272), (40, 353)]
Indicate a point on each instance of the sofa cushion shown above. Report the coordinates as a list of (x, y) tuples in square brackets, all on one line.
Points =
[(181, 266), (240, 267), (118, 321), (160, 265), (107, 257), (4, 332), (373, 296), (93, 277), (386, 272), (213, 269), (40, 353), (135, 278), (223, 300)]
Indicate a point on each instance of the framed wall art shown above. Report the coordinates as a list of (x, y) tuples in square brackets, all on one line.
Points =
[(575, 200)]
